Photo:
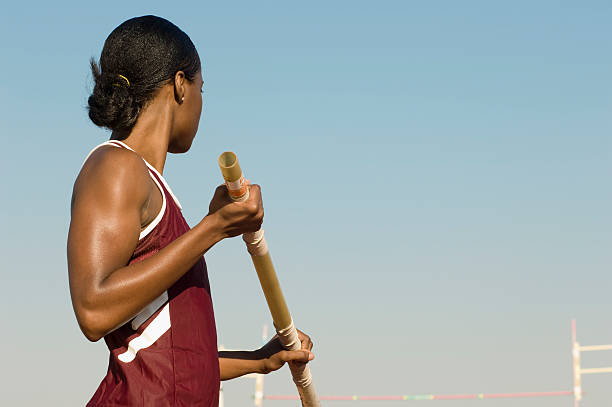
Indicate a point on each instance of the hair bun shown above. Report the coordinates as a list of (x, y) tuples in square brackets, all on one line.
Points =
[(112, 103)]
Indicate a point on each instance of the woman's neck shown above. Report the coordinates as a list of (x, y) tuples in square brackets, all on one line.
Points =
[(150, 135)]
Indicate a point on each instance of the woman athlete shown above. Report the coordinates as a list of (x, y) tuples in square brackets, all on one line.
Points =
[(137, 273)]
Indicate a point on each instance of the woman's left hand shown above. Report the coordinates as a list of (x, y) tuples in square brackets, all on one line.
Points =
[(274, 355)]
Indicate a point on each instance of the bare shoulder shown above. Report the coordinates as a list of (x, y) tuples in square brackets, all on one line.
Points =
[(113, 173)]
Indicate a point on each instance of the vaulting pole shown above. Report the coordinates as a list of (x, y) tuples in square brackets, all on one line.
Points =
[(257, 247)]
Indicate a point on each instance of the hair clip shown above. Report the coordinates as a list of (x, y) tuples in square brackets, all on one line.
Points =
[(126, 80)]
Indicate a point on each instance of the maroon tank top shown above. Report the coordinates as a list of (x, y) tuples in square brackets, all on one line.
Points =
[(167, 355)]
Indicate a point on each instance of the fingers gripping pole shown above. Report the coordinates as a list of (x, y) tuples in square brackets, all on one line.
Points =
[(257, 247)]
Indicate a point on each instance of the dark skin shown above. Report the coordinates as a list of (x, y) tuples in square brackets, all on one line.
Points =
[(114, 199)]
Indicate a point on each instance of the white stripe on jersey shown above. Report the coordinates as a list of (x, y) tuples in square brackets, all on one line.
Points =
[(157, 327), (149, 310)]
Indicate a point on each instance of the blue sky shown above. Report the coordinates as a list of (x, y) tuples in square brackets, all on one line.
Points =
[(452, 209)]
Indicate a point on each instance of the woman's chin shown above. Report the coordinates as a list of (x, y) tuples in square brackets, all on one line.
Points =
[(179, 148)]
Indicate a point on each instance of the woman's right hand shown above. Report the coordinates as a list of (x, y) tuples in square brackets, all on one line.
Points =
[(236, 218)]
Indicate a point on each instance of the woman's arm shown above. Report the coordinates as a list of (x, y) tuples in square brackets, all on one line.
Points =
[(105, 225), (267, 359), (234, 364)]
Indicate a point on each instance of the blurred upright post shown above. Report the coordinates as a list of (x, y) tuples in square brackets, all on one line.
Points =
[(256, 245), (259, 380), (221, 385), (579, 371), (576, 359)]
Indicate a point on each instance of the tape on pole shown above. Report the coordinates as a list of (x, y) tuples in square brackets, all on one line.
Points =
[(256, 243), (238, 190)]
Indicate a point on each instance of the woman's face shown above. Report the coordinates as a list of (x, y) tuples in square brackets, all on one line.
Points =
[(187, 117)]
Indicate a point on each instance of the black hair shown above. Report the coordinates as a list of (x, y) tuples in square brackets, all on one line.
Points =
[(139, 56)]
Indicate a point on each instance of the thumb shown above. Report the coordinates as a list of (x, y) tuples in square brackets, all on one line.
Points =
[(296, 356)]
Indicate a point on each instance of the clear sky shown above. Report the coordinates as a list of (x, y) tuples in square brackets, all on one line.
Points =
[(436, 177)]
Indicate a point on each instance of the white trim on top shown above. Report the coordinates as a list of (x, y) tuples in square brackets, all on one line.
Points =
[(106, 143), (159, 216), (161, 177), (159, 326)]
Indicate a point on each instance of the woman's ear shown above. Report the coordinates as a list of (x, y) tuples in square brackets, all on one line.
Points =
[(179, 87)]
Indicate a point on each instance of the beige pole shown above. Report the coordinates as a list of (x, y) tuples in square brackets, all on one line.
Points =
[(257, 247)]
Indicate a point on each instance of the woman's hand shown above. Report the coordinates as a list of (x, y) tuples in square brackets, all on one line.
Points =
[(267, 359), (275, 356), (236, 218)]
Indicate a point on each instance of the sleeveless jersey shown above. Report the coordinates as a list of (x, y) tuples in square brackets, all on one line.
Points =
[(167, 354)]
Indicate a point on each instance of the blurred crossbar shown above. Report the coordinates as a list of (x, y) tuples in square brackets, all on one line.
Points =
[(594, 348), (595, 370), (475, 396)]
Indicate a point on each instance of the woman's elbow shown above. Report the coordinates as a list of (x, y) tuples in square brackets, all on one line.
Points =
[(91, 335), (90, 325)]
